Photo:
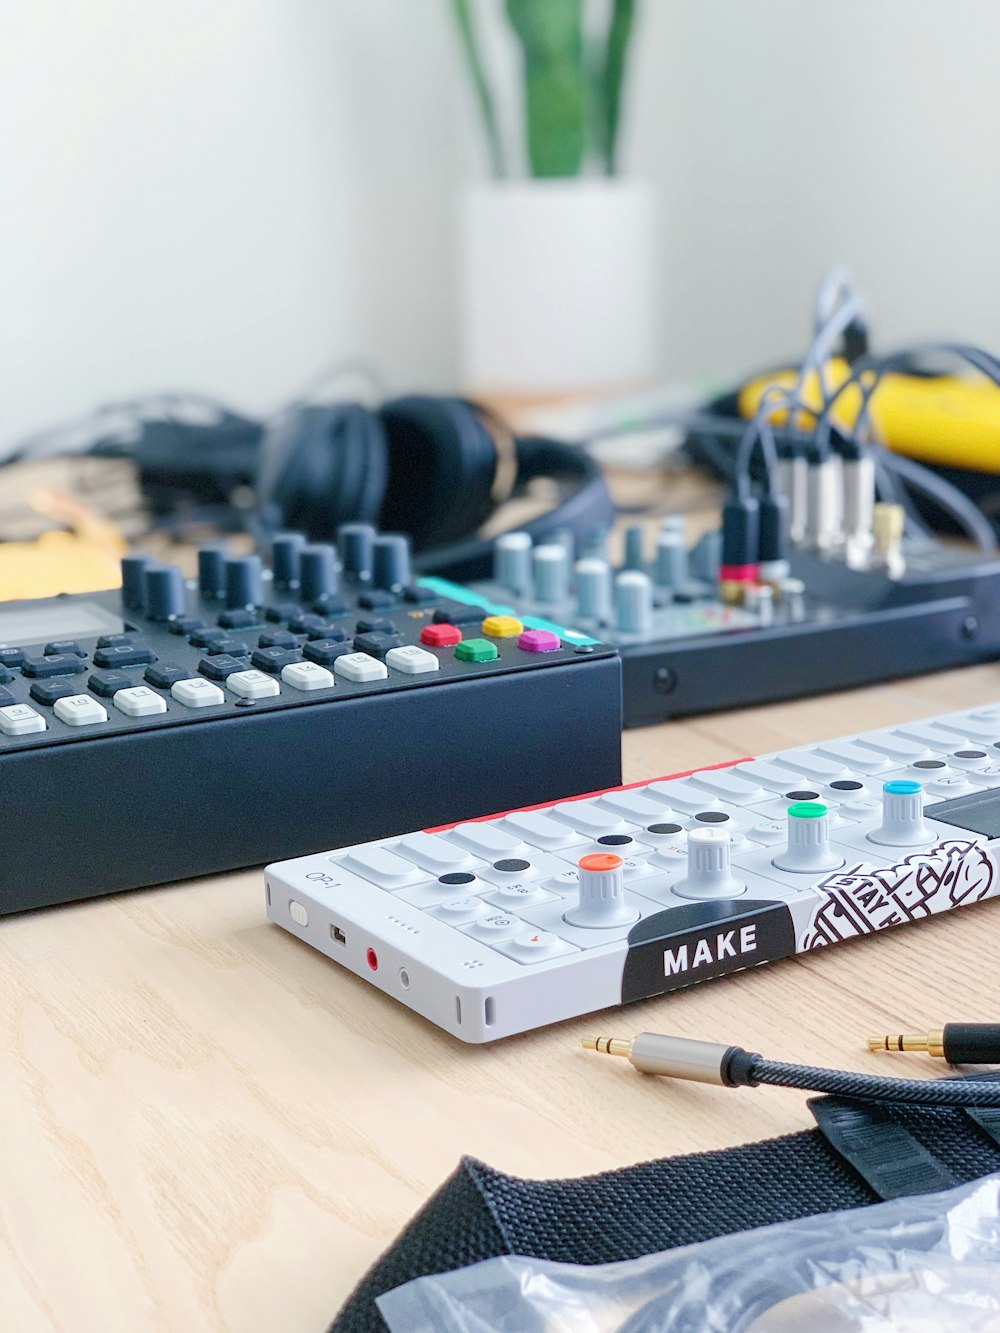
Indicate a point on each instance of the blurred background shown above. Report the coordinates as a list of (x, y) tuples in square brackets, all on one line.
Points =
[(225, 195)]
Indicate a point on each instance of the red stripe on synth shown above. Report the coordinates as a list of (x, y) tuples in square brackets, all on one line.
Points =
[(588, 795)]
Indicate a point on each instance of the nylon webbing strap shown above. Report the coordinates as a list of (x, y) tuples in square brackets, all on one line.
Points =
[(887, 1156)]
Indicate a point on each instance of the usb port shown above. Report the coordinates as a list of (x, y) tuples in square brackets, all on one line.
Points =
[(337, 934)]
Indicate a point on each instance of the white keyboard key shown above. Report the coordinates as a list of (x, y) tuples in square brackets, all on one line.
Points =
[(79, 710), (588, 817), (770, 832), (411, 659), (486, 840), (535, 946), (522, 893), (814, 766), (683, 795), (380, 867), (540, 830), (729, 786), (986, 715), (634, 806), (987, 777), (196, 692), (433, 853), (360, 668), (768, 774), (253, 684), (495, 926), (20, 720), (935, 738), (946, 789), (460, 911), (967, 728), (898, 749), (969, 760), (139, 701), (856, 757), (307, 676)]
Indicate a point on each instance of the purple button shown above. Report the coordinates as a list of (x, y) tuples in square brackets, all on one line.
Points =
[(538, 641)]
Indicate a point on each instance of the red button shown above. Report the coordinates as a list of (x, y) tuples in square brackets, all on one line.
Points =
[(440, 636)]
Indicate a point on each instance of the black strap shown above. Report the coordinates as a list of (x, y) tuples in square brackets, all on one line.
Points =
[(885, 1154)]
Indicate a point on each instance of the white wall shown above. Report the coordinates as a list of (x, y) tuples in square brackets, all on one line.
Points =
[(225, 194)]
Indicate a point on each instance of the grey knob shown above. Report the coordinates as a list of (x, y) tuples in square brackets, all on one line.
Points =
[(902, 816), (391, 561), (354, 541), (165, 597), (512, 562), (602, 901), (212, 571), (706, 557), (808, 849), (134, 580), (318, 572), (593, 589), (709, 873), (550, 570), (633, 602), (244, 582), (634, 548), (285, 558), (671, 569)]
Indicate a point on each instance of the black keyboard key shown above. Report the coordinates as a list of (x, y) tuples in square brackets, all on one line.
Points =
[(419, 595), (239, 619), (325, 652), (123, 656), (283, 611), (374, 625), (5, 676), (376, 645), (330, 606), (6, 699), (273, 659), (317, 627), (201, 638), (165, 674), (107, 683), (457, 613), (12, 657), (186, 624), (278, 638), (48, 691), (234, 647), (218, 668), (62, 664), (377, 600), (59, 646), (114, 641)]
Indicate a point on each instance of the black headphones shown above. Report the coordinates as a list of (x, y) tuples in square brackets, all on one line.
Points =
[(435, 468)]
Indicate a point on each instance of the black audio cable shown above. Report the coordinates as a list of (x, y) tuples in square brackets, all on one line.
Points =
[(733, 1067)]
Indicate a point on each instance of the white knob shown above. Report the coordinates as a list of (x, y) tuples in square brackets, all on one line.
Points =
[(808, 848), (709, 874), (902, 816), (602, 899)]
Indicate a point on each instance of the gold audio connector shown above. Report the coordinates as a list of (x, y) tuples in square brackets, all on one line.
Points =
[(931, 1042), (958, 1043)]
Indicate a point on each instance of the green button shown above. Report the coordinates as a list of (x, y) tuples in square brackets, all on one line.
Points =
[(807, 810), (476, 650)]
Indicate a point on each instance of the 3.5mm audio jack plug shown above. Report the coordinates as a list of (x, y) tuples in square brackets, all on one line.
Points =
[(958, 1043)]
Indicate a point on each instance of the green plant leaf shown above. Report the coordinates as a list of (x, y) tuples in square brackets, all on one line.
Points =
[(551, 36), (610, 79), (480, 84)]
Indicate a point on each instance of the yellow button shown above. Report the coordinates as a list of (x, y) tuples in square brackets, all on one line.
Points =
[(502, 627)]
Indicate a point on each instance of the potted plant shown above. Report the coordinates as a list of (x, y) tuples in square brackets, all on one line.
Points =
[(555, 281)]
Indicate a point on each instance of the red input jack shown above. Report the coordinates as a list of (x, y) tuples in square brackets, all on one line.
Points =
[(372, 957)]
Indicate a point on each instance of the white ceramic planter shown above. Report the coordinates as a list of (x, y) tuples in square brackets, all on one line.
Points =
[(556, 286)]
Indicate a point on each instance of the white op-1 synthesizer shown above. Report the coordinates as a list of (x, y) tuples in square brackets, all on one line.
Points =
[(495, 926)]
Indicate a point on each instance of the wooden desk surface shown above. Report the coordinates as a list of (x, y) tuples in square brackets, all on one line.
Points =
[(204, 1125)]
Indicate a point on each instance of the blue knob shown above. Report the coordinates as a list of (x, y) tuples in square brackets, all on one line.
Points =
[(212, 571), (285, 562), (133, 580), (317, 572), (355, 543), (244, 582), (165, 597), (391, 561)]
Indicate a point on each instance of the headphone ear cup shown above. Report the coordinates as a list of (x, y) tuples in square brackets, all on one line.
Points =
[(441, 466), (322, 466)]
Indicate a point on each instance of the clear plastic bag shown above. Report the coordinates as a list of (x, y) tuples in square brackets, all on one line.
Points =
[(929, 1263)]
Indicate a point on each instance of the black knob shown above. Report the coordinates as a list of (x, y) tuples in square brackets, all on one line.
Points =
[(391, 561), (244, 582), (212, 571), (133, 580), (285, 563), (165, 597), (318, 576), (355, 543)]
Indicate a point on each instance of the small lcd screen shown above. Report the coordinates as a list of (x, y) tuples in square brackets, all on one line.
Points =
[(978, 814), (40, 624)]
